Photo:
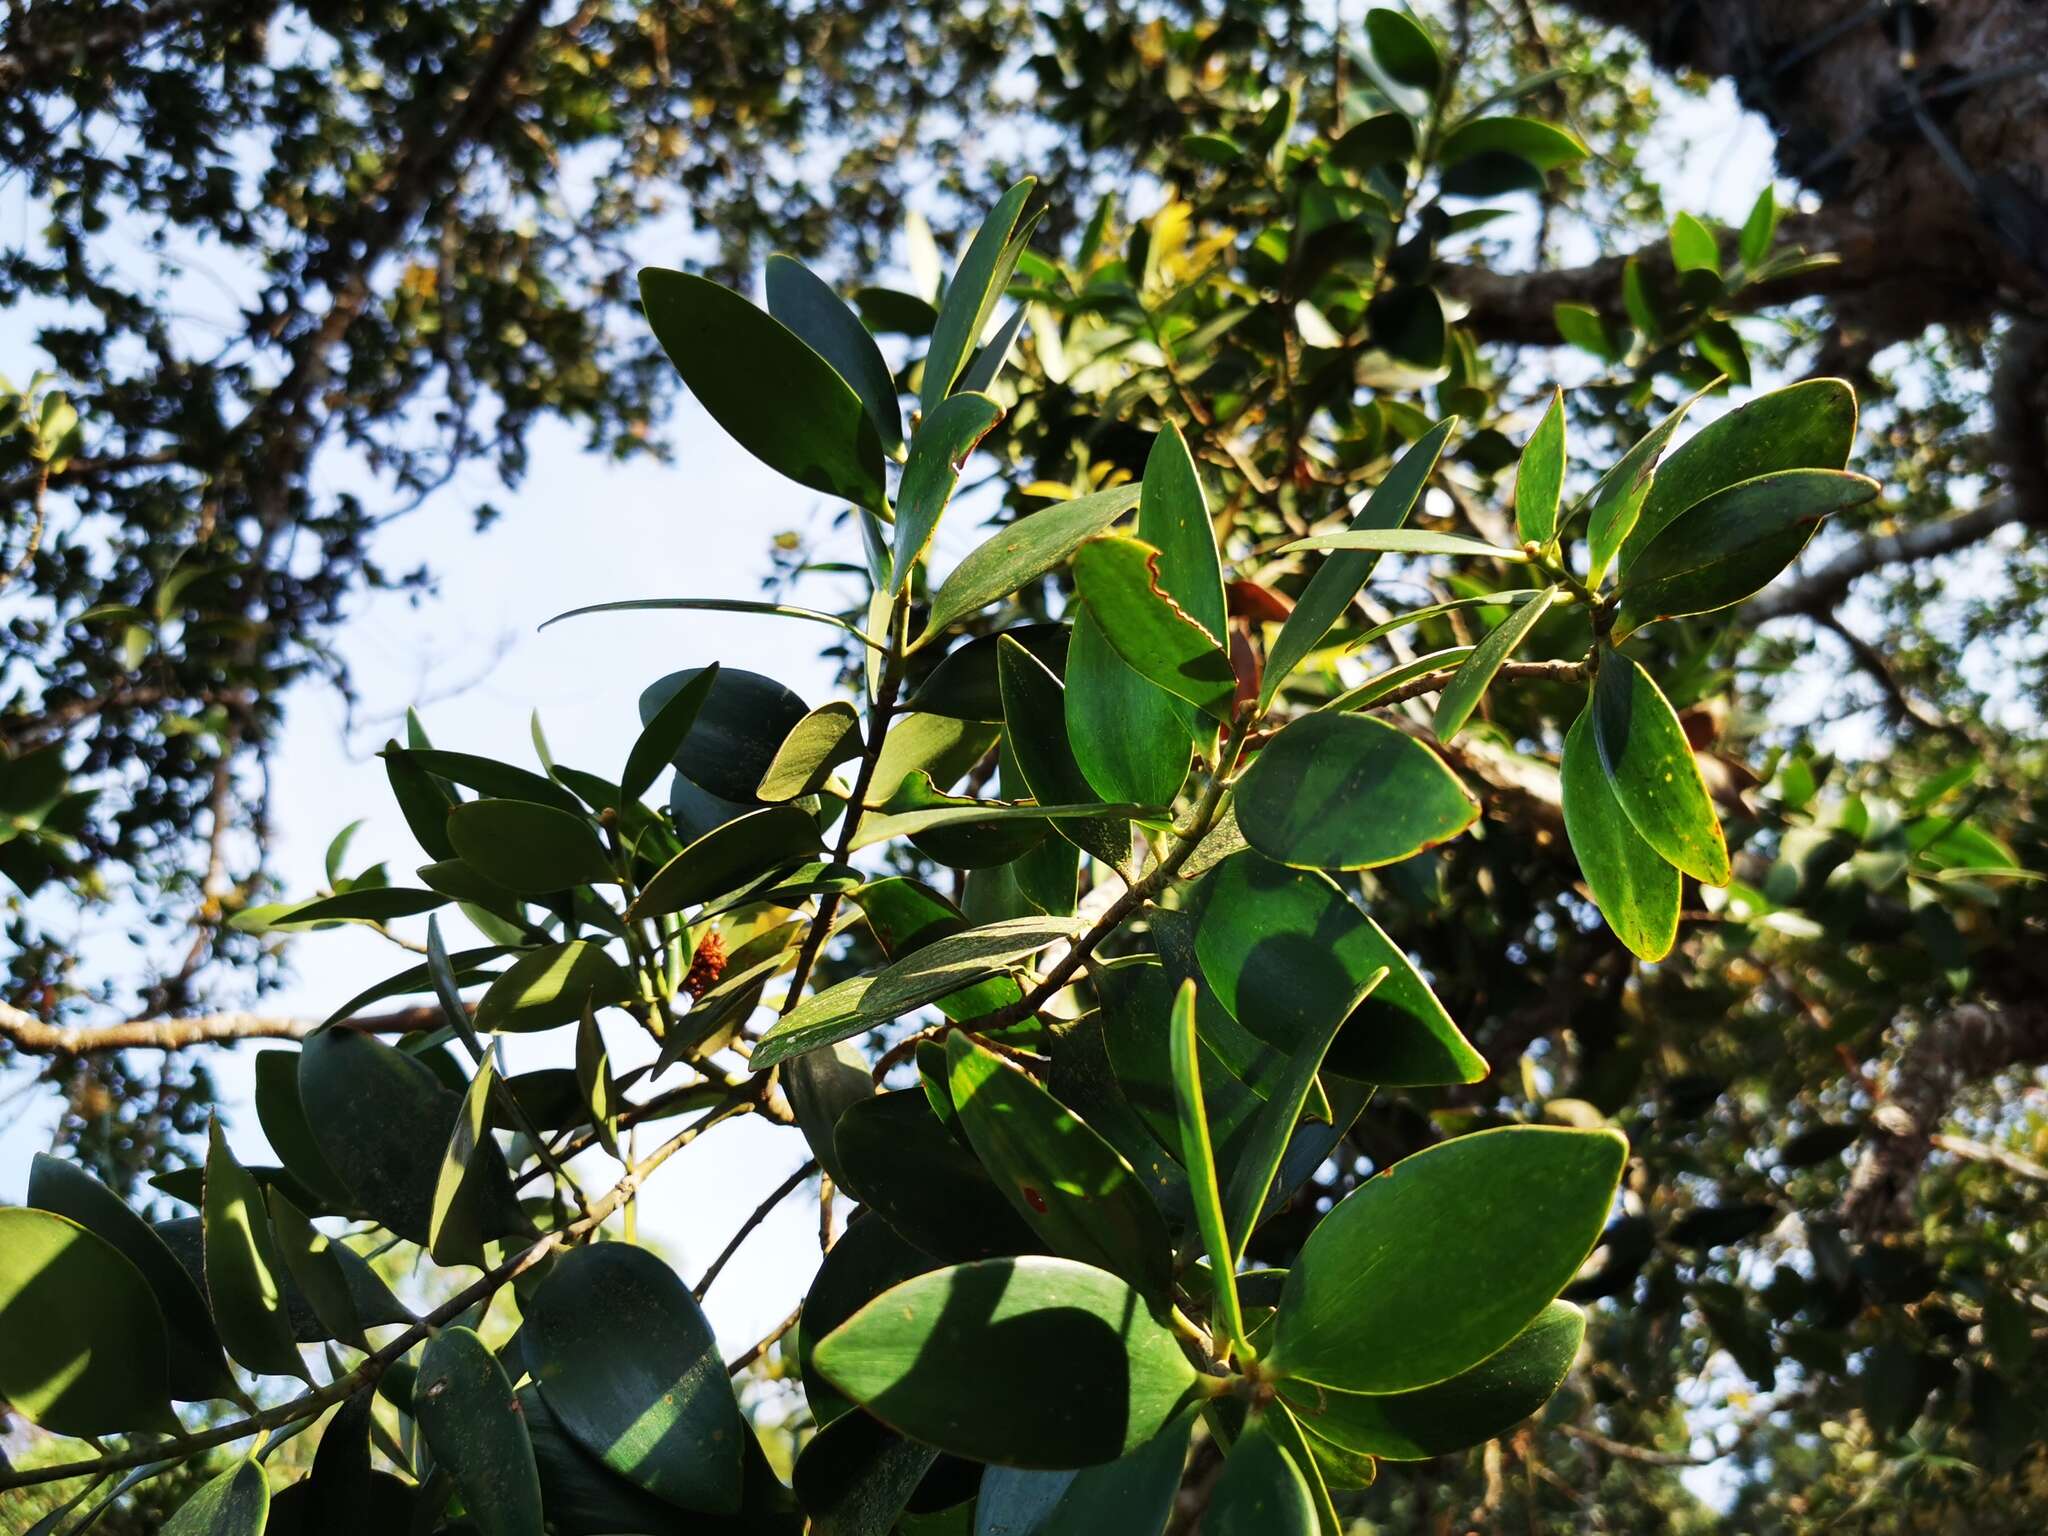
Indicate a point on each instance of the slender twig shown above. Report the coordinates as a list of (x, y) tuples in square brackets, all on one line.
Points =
[(781, 1192), (759, 1348)]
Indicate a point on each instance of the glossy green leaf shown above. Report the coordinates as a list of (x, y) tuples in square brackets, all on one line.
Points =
[(284, 1123), (244, 1276), (532, 849), (663, 735), (742, 721), (1132, 1496), (1403, 49), (1759, 229), (1173, 517), (1433, 1264), (821, 1085), (1021, 552), (1539, 482), (549, 986), (962, 959), (828, 736), (822, 1019), (868, 1258), (1636, 891), (1338, 791), (1386, 138), (1277, 1420), (808, 306), (1541, 144), (375, 904), (903, 1164), (1069, 1184), (1288, 1094), (86, 1349), (598, 1094), (628, 1364), (938, 449), (1121, 581), (1652, 770), (1476, 1405), (308, 1257), (966, 683), (462, 1194), (382, 1119), (1337, 579), (1261, 1492), (236, 1503), (1614, 505), (1380, 684), (727, 857), (940, 747), (987, 1334), (1125, 733), (1462, 694), (787, 407), (988, 362), (1693, 247), (905, 915), (973, 834), (1035, 720), (972, 295), (195, 1368), (488, 777), (465, 1406), (1732, 544), (1405, 541), (1198, 1156)]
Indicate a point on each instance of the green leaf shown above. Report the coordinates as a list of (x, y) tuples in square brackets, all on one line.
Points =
[(906, 915), (376, 904), (594, 1086), (86, 1346), (628, 1364), (1021, 552), (1809, 425), (868, 1259), (1614, 504), (283, 1119), (1653, 773), (1069, 1184), (382, 1119), (1636, 891), (578, 1492), (971, 297), (939, 747), (1283, 948), (966, 684), (1583, 327), (1198, 1156), (786, 406), (938, 449), (465, 1406), (244, 1279), (1337, 580), (803, 302), (462, 1193), (1759, 229), (1406, 541), (741, 723), (195, 1368), (856, 1476), (1462, 695), (663, 735), (1035, 724), (308, 1255), (532, 849), (1540, 481), (903, 1163), (727, 857), (1388, 138), (1693, 247), (720, 605), (487, 776), (1173, 517), (983, 1337), (828, 736), (1542, 145), (960, 960), (1335, 791), (550, 986), (968, 833), (1121, 581), (1430, 1266), (236, 1503), (1475, 1406), (1261, 1492), (1731, 545), (824, 1018), (1287, 1096), (1403, 49), (1133, 1496), (1125, 733)]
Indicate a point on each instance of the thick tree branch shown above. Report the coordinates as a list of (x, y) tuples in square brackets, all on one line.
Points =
[(1819, 589), (31, 1035)]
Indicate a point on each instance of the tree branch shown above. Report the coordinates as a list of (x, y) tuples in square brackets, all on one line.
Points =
[(32, 1036), (1821, 588)]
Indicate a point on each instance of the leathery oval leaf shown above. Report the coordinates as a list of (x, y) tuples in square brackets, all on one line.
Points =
[(86, 1346), (244, 1276), (1126, 734), (1022, 552), (856, 1476), (802, 300), (1035, 737), (787, 406), (1433, 1264), (1261, 1492), (1030, 1362), (728, 856), (532, 849), (1652, 770), (629, 1366), (1132, 1496), (1635, 890), (465, 1406), (735, 733), (1069, 1184), (577, 1491), (938, 449), (869, 1257), (1474, 1406), (902, 1163), (1122, 582), (236, 1503), (1539, 482), (1335, 791), (551, 985), (195, 1367)]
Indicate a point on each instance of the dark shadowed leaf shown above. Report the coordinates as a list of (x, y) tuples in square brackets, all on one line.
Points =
[(582, 1497), (1336, 791), (1651, 768), (236, 1503), (1132, 1496), (803, 302), (856, 1476), (739, 726), (727, 857), (1541, 144), (549, 986), (283, 1119), (465, 1406), (663, 735), (1636, 891), (868, 1259), (966, 684), (903, 1164), (244, 1276), (1261, 1492), (1035, 723)]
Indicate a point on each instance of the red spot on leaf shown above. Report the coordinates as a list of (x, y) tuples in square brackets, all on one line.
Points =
[(1034, 1199)]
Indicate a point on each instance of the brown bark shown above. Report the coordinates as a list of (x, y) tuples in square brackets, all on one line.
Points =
[(32, 1036)]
